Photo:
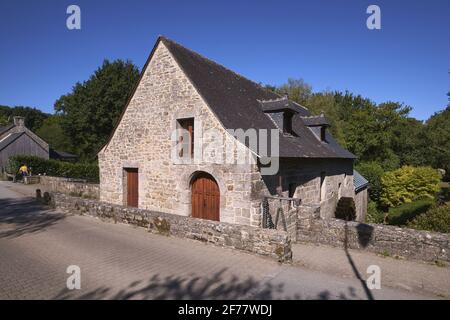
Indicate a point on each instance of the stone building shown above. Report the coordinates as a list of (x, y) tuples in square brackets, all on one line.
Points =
[(162, 155)]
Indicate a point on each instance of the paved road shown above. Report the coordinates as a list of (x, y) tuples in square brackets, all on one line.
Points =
[(122, 262)]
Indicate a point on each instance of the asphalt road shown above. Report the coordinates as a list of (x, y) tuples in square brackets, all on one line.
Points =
[(117, 261)]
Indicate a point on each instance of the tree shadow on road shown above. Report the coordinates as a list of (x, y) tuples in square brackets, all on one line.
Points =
[(25, 215), (218, 286)]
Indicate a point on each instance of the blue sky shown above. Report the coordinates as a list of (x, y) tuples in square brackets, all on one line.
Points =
[(326, 43)]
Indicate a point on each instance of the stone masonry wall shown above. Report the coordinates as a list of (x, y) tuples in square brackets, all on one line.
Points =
[(381, 239), (361, 202), (75, 187), (142, 140), (271, 243), (303, 175)]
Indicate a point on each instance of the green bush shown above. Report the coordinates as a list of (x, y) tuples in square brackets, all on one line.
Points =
[(373, 214), (436, 219), (407, 184), (444, 194), (372, 171), (406, 212), (55, 168)]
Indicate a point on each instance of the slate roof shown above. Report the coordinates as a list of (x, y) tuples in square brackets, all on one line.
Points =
[(57, 154), (359, 181), (236, 102), (3, 129), (9, 139), (281, 104)]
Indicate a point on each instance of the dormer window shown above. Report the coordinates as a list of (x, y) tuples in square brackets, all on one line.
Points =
[(323, 131), (281, 111), (287, 122), (318, 125)]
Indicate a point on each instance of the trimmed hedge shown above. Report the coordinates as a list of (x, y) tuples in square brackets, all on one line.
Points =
[(55, 168), (401, 215)]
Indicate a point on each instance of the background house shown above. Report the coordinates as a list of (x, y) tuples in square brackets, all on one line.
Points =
[(16, 139)]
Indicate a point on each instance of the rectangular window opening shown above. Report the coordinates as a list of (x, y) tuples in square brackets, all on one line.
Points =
[(186, 137), (323, 131)]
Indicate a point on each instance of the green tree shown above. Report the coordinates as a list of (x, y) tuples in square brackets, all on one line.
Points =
[(437, 140), (52, 132), (297, 90), (92, 109), (407, 141), (325, 103), (373, 172), (408, 183), (3, 120), (33, 117), (436, 219)]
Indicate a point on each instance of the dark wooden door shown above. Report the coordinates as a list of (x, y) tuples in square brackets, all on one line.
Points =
[(132, 187), (205, 198)]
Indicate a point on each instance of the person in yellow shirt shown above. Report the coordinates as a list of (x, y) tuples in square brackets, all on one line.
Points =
[(23, 170)]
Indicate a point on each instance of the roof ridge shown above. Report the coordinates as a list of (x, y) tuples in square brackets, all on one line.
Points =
[(163, 38)]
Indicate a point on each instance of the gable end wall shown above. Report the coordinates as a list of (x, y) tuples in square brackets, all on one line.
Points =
[(142, 140)]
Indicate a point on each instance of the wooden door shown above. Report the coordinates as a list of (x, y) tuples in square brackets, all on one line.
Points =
[(132, 187), (205, 198)]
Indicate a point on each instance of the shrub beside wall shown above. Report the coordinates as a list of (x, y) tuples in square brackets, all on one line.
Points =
[(437, 219), (408, 184), (55, 168)]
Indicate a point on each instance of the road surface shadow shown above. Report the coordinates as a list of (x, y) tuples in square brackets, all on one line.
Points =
[(363, 239), (24, 215), (217, 286)]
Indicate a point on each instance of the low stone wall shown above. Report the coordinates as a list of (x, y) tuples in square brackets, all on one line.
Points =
[(73, 187), (386, 240), (272, 243)]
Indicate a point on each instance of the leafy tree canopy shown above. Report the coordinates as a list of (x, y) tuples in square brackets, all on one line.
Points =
[(437, 140), (33, 117), (90, 112), (52, 132)]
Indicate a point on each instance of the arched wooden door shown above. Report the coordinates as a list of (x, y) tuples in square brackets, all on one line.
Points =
[(205, 197)]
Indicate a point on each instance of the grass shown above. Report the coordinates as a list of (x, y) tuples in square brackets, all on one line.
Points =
[(440, 263), (386, 254)]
